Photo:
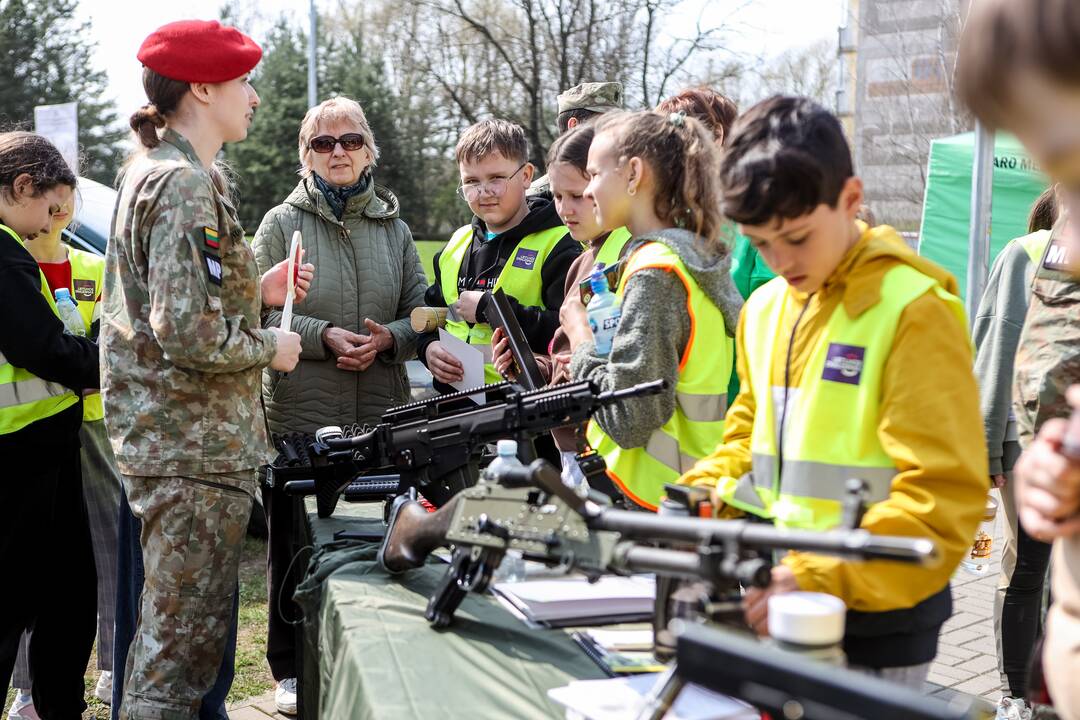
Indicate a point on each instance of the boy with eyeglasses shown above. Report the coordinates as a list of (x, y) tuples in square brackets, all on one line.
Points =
[(515, 243)]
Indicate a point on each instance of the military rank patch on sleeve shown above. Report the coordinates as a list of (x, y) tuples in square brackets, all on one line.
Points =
[(210, 235), (213, 267)]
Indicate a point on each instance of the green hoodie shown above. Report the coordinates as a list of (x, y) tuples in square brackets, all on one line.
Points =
[(748, 270)]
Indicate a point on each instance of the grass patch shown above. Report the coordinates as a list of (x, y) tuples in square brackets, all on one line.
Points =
[(427, 249), (253, 676)]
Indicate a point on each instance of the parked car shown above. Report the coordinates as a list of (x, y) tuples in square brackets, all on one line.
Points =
[(94, 205)]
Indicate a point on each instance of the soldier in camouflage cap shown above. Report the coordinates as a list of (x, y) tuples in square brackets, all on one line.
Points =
[(182, 351), (577, 105)]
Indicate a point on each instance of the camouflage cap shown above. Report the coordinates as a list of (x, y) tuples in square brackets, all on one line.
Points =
[(599, 97)]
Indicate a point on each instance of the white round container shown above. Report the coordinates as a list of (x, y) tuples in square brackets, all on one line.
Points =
[(807, 618)]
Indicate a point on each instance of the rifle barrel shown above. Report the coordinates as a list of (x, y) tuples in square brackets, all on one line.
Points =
[(644, 559), (653, 387), (850, 543)]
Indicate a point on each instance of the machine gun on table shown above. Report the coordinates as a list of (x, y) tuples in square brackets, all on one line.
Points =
[(435, 445), (531, 511)]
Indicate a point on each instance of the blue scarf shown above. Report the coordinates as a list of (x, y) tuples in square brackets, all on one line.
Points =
[(338, 197)]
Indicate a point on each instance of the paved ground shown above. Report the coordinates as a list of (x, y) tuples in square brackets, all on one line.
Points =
[(967, 652), (966, 664), (257, 708)]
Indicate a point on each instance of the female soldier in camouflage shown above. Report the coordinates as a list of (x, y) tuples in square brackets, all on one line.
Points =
[(182, 352)]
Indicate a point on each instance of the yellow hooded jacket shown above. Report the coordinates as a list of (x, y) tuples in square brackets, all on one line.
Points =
[(930, 425)]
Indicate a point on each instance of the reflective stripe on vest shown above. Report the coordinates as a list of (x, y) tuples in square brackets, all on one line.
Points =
[(520, 279), (612, 247), (1035, 245), (697, 425), (832, 416), (88, 268), (24, 397)]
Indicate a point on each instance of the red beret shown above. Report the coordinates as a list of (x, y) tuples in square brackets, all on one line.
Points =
[(202, 51)]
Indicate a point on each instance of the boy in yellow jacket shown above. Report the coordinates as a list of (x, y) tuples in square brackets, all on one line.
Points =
[(854, 363)]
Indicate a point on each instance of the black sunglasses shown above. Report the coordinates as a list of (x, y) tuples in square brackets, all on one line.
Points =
[(326, 143)]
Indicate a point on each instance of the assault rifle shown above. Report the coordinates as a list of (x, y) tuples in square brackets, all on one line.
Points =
[(531, 511), (435, 445)]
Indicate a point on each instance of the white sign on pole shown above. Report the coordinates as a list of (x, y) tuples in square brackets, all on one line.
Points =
[(60, 123)]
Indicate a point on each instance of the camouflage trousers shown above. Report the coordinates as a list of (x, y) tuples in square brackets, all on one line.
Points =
[(192, 531)]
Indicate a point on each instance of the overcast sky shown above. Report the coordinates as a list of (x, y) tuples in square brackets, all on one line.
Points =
[(765, 27)]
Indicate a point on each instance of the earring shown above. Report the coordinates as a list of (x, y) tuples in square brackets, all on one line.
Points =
[(631, 190)]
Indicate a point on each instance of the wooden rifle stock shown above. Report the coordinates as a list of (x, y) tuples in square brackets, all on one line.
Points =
[(413, 533)]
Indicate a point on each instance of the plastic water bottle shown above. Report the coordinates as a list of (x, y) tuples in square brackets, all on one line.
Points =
[(69, 312), (604, 313), (512, 567), (506, 458), (978, 560)]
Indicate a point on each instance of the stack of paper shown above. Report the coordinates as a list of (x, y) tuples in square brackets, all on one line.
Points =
[(621, 698), (579, 602)]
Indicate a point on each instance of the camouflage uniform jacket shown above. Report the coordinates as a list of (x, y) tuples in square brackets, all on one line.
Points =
[(181, 344), (1048, 356)]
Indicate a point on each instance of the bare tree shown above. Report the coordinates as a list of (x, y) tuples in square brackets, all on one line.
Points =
[(512, 57), (909, 100)]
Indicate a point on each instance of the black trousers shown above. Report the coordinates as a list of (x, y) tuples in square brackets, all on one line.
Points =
[(281, 633), (45, 539), (1022, 611)]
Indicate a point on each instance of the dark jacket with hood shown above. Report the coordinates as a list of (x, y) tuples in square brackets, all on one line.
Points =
[(486, 259), (366, 266)]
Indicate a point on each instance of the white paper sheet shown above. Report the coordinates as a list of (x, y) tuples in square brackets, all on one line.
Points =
[(554, 600), (296, 250), (472, 362), (621, 698)]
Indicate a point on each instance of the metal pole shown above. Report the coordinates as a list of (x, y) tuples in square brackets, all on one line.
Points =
[(312, 80), (982, 183)]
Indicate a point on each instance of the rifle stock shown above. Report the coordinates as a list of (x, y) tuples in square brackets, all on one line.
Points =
[(412, 533)]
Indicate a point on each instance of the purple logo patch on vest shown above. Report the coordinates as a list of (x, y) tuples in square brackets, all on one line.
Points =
[(844, 363), (525, 259), (85, 290)]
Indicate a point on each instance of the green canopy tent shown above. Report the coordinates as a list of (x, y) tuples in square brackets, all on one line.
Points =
[(947, 207)]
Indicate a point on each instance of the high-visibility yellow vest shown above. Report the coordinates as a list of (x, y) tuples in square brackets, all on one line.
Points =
[(613, 245), (24, 397), (520, 279), (697, 425), (87, 279), (1035, 245), (832, 416)]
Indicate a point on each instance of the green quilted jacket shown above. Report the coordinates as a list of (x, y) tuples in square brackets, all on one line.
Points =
[(366, 266)]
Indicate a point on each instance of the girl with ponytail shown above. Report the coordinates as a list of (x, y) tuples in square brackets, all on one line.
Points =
[(657, 175)]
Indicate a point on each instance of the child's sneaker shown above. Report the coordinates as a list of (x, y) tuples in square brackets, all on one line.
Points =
[(1010, 708), (23, 707), (285, 696), (103, 690)]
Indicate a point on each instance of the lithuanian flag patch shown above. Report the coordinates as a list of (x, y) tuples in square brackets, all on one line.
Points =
[(211, 237)]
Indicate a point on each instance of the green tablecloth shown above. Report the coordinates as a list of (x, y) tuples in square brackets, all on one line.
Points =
[(369, 653)]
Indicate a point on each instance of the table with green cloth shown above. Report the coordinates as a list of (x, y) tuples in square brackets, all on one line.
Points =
[(369, 653)]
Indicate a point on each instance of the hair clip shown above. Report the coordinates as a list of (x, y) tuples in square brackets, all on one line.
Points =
[(678, 119)]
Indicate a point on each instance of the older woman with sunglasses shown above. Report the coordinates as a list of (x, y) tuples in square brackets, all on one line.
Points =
[(354, 324)]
